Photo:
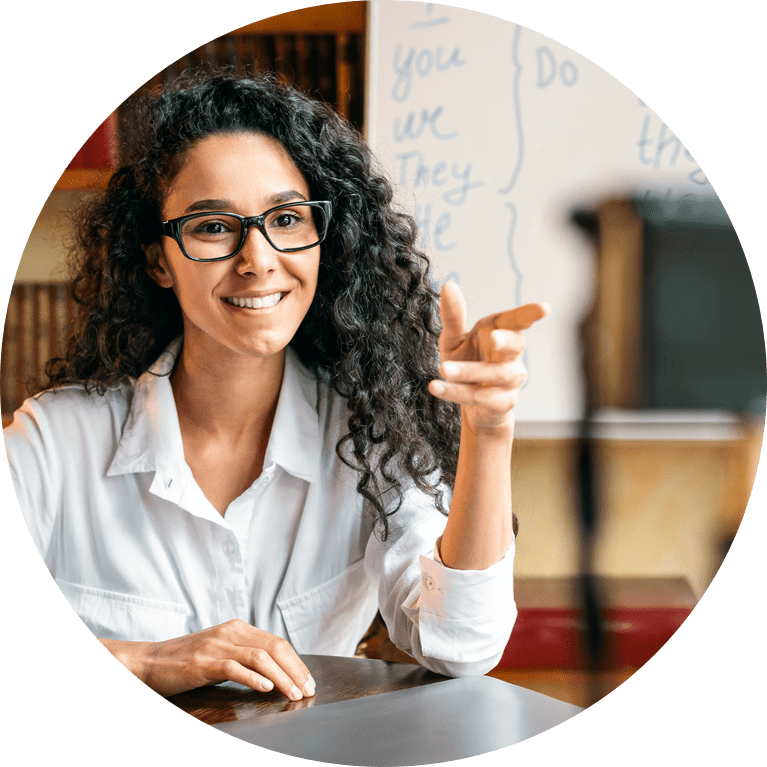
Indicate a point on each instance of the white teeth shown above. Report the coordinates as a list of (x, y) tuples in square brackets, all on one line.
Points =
[(255, 303)]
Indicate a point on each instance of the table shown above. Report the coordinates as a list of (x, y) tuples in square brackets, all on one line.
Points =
[(373, 712), (337, 679)]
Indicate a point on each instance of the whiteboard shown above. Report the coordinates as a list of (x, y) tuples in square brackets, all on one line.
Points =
[(493, 135)]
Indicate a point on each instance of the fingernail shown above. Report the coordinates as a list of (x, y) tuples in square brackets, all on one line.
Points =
[(498, 338), (308, 689), (295, 693), (267, 686), (438, 387), (312, 682)]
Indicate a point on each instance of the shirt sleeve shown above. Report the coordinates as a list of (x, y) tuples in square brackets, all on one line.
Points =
[(454, 622), (34, 471)]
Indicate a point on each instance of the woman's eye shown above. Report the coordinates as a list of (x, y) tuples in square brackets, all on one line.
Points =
[(285, 219), (212, 228)]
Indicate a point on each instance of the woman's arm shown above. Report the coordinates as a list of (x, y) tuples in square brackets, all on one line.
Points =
[(483, 372), (479, 527)]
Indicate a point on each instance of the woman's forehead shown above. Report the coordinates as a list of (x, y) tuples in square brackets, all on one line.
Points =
[(247, 168)]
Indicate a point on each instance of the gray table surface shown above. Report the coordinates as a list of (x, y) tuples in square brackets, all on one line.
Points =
[(453, 719)]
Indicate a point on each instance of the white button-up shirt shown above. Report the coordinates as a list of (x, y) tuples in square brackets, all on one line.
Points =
[(141, 554)]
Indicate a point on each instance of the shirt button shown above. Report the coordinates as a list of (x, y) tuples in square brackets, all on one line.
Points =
[(428, 582), (228, 548)]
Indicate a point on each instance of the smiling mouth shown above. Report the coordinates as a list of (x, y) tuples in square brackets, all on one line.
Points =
[(265, 302)]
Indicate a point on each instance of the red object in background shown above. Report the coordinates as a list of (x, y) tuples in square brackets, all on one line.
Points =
[(639, 616), (99, 151), (551, 638)]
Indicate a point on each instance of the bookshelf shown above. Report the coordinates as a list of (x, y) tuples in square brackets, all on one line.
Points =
[(320, 50)]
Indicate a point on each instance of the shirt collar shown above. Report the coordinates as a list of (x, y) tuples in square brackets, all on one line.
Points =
[(151, 438), (294, 443)]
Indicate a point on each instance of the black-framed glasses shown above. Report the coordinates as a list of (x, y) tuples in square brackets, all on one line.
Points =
[(218, 235)]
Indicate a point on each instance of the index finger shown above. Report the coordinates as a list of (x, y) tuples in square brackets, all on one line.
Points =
[(522, 317)]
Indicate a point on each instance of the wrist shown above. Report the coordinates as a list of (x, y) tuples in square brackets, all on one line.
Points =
[(132, 655), (498, 428)]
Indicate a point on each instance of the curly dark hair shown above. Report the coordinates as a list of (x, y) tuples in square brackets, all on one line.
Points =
[(373, 325)]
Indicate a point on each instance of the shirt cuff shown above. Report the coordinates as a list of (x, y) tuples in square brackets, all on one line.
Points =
[(464, 614)]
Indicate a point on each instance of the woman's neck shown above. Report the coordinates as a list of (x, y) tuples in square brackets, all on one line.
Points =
[(228, 396)]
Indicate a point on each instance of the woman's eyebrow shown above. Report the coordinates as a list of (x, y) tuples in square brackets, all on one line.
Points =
[(209, 205), (276, 199), (288, 196)]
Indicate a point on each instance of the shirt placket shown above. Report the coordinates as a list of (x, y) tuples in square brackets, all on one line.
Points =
[(234, 546), (230, 568)]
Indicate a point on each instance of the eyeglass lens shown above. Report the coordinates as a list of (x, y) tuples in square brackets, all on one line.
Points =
[(217, 235)]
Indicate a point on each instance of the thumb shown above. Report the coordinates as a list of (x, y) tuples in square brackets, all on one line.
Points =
[(452, 311)]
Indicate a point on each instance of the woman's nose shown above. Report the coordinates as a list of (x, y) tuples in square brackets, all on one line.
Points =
[(257, 255)]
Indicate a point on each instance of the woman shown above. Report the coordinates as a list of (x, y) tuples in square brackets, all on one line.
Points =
[(249, 446)]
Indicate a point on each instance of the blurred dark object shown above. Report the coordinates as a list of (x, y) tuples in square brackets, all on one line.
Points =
[(675, 324)]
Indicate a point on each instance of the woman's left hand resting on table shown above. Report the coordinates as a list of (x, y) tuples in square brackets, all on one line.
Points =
[(482, 370)]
